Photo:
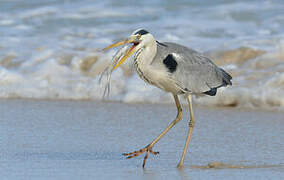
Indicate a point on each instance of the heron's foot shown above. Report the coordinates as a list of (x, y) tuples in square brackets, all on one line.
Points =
[(147, 149), (180, 165)]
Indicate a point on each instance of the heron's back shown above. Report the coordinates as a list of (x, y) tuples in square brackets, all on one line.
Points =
[(191, 70)]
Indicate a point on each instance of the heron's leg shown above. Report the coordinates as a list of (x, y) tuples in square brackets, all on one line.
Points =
[(191, 125), (149, 147)]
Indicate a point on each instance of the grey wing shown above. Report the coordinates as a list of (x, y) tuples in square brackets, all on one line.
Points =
[(195, 72)]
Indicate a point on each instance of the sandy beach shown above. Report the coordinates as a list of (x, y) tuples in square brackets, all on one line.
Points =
[(85, 139)]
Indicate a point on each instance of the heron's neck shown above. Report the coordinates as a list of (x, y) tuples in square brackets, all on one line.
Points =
[(146, 55), (143, 59)]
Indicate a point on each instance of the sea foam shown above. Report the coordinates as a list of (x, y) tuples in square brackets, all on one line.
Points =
[(52, 50)]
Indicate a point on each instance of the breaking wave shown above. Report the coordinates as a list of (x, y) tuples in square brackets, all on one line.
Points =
[(50, 50)]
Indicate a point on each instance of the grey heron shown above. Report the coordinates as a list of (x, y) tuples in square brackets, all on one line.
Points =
[(173, 68)]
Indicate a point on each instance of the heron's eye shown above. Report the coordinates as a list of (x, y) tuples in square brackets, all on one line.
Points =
[(138, 36)]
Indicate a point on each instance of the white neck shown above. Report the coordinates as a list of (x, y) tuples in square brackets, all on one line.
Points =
[(147, 53)]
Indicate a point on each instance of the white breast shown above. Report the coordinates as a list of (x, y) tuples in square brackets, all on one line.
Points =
[(157, 76)]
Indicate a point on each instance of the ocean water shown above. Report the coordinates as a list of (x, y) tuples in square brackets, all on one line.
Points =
[(51, 49)]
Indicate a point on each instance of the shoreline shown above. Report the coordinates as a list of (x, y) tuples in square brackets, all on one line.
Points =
[(183, 103)]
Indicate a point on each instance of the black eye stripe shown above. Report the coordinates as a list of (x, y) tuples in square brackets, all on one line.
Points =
[(142, 32)]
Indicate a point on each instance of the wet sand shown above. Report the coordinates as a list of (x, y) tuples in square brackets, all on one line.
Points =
[(84, 140)]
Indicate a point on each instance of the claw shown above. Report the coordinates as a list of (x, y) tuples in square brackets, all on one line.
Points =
[(145, 158), (147, 149)]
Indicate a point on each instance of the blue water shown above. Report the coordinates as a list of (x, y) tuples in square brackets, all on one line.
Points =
[(44, 42), (93, 23)]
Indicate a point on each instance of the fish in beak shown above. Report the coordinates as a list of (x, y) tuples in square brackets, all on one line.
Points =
[(132, 39)]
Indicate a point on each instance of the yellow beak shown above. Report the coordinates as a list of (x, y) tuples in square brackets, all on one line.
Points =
[(129, 52)]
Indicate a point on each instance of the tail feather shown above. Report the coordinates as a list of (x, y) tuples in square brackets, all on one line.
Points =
[(226, 78)]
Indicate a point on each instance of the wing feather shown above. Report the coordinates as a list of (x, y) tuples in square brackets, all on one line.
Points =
[(195, 72)]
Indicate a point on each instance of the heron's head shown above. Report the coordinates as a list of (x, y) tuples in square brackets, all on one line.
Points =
[(139, 39)]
